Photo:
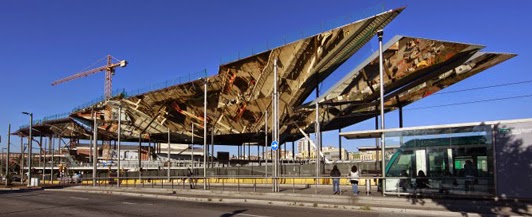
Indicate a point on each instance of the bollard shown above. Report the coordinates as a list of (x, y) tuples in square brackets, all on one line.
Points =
[(368, 186)]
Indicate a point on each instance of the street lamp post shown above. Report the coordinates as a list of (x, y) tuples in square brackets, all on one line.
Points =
[(30, 138)]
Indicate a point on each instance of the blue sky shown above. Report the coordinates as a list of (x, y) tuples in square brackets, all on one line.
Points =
[(41, 41)]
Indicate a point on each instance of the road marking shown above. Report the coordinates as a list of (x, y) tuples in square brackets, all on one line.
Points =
[(80, 198), (129, 203), (243, 214)]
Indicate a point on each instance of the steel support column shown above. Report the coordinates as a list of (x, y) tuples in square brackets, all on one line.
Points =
[(381, 78)]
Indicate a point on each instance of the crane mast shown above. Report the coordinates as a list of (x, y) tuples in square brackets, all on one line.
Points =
[(109, 69)]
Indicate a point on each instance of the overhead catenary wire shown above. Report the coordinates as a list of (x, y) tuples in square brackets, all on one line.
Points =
[(485, 87), (470, 102)]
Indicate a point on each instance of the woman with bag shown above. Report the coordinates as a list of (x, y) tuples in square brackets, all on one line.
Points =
[(354, 179)]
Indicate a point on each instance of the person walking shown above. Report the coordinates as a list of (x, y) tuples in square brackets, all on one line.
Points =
[(190, 178), (354, 179), (335, 174)]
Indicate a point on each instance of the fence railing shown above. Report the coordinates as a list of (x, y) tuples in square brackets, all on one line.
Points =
[(310, 185)]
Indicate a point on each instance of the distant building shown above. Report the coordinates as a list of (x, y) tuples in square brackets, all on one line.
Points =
[(333, 153), (284, 154), (369, 153)]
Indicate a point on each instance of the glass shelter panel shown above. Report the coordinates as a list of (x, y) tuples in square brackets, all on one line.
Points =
[(447, 160)]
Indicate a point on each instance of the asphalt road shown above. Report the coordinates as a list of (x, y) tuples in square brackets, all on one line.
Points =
[(46, 203)]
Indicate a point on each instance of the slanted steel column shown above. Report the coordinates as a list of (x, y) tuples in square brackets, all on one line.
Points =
[(400, 116), (293, 151)]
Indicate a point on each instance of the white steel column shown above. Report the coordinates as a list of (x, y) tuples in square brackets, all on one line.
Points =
[(264, 155), (276, 124), (94, 149), (205, 147), (381, 78), (192, 148), (119, 137), (318, 143), (168, 156)]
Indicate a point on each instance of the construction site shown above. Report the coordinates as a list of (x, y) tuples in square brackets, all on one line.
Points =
[(259, 104)]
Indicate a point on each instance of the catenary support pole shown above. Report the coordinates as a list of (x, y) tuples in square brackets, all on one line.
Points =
[(381, 78), (205, 147), (276, 124), (30, 146)]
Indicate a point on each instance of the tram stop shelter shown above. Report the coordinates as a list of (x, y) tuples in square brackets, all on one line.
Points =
[(488, 159)]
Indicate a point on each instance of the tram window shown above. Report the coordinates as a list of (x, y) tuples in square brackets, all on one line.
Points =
[(402, 164), (437, 163)]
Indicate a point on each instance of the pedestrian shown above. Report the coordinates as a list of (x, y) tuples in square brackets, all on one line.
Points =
[(354, 179), (335, 173), (469, 172), (190, 179)]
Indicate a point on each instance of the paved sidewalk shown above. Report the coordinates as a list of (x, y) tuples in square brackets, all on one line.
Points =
[(305, 196)]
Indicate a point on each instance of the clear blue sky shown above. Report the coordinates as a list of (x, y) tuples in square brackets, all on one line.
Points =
[(41, 41)]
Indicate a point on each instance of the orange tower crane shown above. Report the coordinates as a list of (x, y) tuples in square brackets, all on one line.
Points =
[(109, 69)]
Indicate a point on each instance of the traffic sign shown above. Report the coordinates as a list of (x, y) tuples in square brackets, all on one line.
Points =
[(275, 145)]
